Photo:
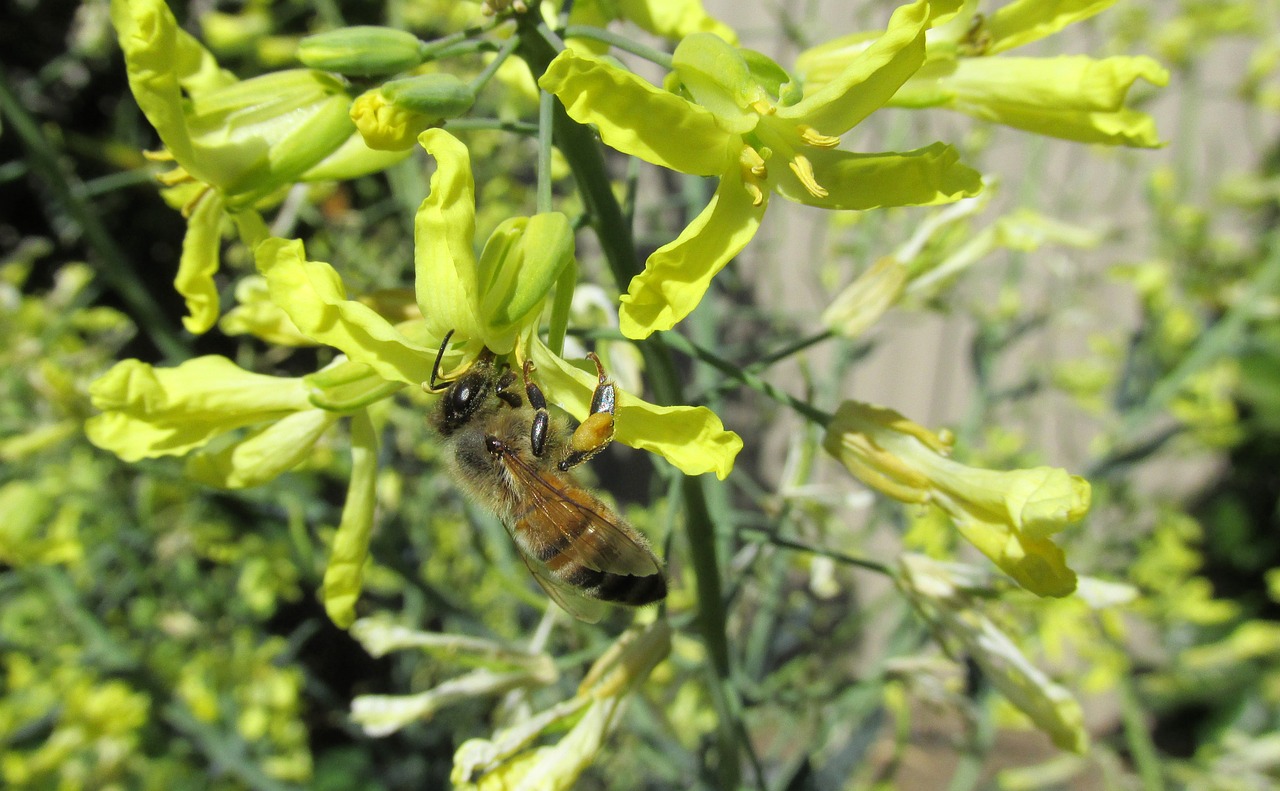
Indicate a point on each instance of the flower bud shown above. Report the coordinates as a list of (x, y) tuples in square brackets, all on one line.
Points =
[(390, 118), (361, 51)]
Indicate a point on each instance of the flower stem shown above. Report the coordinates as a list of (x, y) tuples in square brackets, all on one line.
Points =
[(657, 56)]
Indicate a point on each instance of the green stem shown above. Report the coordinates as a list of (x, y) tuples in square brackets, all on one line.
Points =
[(786, 543), (442, 45), (546, 107), (623, 43), (518, 127), (580, 149), (113, 264), (482, 79), (1141, 748), (729, 369)]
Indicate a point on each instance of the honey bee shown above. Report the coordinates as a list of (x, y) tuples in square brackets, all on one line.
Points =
[(511, 456)]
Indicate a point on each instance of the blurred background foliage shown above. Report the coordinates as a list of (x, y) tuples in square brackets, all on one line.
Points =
[(156, 634)]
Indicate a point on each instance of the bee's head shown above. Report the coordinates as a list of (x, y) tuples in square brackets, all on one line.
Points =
[(466, 394)]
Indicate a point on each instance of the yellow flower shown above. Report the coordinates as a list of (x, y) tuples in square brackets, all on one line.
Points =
[(235, 143), (1071, 97), (746, 124), (1009, 516)]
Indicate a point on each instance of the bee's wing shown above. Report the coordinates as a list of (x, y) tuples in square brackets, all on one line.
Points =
[(555, 506), (572, 602)]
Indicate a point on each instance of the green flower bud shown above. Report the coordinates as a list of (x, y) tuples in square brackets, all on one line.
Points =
[(361, 51), (434, 95)]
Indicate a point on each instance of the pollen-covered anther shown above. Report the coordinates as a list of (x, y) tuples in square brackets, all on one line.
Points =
[(815, 138), (803, 169), (763, 108)]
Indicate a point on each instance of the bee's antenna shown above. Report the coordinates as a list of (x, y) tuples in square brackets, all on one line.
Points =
[(435, 369)]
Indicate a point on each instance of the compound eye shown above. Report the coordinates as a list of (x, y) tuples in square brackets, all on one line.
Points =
[(464, 395)]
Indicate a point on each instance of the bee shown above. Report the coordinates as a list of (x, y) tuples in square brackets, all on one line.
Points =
[(513, 457)]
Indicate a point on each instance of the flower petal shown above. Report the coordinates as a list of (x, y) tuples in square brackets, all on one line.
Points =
[(637, 118), (691, 438), (444, 232), (674, 19), (871, 77), (1024, 21), (201, 253), (677, 274), (311, 292), (265, 455), (149, 412), (1073, 82), (1037, 564), (929, 175), (258, 316), (163, 60), (521, 262), (344, 576), (1120, 128), (717, 76)]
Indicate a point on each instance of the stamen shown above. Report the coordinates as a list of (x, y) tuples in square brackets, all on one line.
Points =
[(763, 108), (178, 175), (815, 138), (753, 189), (803, 169), (753, 162), (163, 155)]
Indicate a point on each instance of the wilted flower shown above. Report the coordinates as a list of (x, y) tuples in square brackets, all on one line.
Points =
[(940, 592), (504, 762)]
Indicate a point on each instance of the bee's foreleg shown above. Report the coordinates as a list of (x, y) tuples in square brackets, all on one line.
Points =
[(596, 432), (503, 390), (538, 430)]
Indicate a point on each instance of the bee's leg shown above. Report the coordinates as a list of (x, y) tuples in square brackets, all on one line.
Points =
[(503, 390), (596, 432), (538, 430)]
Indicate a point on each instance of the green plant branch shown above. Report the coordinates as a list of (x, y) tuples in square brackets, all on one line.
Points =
[(773, 538), (441, 47), (497, 124), (482, 79), (623, 43), (805, 410)]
